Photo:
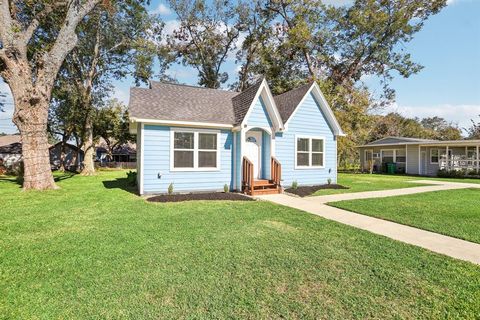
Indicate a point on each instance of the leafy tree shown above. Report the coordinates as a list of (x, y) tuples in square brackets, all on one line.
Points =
[(441, 129), (66, 114), (35, 38), (111, 45), (338, 46), (112, 124), (207, 34), (474, 131)]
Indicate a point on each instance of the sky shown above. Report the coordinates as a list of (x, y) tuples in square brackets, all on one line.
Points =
[(448, 47)]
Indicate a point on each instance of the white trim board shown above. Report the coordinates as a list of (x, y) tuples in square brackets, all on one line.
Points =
[(182, 123), (310, 152), (195, 150), (272, 110)]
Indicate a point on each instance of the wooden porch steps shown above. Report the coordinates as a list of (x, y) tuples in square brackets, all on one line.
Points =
[(264, 187), (254, 187)]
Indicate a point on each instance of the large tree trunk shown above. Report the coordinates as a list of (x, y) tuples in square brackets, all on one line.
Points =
[(32, 124), (88, 165)]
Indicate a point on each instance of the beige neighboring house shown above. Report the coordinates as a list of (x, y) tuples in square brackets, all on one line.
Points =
[(10, 150), (421, 156)]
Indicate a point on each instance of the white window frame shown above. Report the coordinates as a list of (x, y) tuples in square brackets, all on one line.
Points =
[(195, 149), (393, 154), (396, 151), (310, 152), (438, 156)]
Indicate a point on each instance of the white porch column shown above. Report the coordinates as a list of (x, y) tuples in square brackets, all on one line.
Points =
[(420, 160), (448, 160), (478, 160), (406, 159)]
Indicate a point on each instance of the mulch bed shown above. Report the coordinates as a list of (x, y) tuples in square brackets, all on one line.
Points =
[(309, 190), (200, 196)]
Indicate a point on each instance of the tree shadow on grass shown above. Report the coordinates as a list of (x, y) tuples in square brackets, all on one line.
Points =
[(120, 183), (13, 180), (19, 180)]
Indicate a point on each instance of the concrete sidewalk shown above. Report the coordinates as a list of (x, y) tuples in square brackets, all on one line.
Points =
[(453, 247), (435, 186)]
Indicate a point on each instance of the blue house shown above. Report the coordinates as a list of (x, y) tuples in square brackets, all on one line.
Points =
[(202, 139)]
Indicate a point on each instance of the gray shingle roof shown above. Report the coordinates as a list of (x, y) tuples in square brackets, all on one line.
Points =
[(177, 102), (288, 101), (397, 140)]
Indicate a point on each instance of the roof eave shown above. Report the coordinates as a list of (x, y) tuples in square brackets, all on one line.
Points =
[(178, 123)]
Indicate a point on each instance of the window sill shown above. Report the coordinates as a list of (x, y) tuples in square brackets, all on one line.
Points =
[(194, 169), (309, 167)]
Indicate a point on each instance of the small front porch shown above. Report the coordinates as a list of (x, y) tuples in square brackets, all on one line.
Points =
[(260, 170), (253, 187), (456, 158)]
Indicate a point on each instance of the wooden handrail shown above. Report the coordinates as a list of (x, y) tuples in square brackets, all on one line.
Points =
[(247, 175), (276, 170)]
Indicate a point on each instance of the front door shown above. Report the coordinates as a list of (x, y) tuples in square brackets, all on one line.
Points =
[(253, 151), (423, 163)]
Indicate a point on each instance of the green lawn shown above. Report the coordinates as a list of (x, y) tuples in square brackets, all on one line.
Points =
[(358, 182), (454, 212), (94, 250)]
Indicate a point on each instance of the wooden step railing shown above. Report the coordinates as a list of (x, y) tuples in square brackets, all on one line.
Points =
[(276, 171), (247, 176)]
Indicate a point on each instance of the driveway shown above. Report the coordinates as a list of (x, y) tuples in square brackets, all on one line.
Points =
[(453, 247)]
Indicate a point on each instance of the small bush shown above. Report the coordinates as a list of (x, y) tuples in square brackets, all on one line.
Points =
[(170, 188), (444, 173), (329, 181), (132, 178), (295, 185), (226, 188)]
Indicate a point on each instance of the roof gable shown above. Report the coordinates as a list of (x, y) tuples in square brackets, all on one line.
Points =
[(263, 92), (325, 109), (243, 101), (288, 101)]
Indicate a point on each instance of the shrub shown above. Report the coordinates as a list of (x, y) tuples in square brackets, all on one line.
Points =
[(329, 181), (294, 185), (132, 178), (226, 188), (170, 188), (444, 173)]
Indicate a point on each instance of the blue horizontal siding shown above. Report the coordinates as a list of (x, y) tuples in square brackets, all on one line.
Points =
[(259, 116), (309, 120), (157, 161)]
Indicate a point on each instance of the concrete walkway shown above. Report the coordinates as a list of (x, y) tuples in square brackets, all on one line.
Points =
[(434, 186), (453, 247)]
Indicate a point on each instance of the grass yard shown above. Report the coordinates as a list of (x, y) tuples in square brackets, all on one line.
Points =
[(94, 250), (453, 212), (359, 182)]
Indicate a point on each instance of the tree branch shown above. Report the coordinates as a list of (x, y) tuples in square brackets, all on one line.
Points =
[(65, 42), (6, 35)]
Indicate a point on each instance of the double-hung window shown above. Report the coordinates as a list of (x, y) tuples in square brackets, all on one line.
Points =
[(310, 152), (194, 150), (434, 155)]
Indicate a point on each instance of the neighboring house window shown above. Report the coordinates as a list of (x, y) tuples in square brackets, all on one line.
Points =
[(400, 156), (472, 153), (310, 152), (434, 155), (387, 156), (194, 150)]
